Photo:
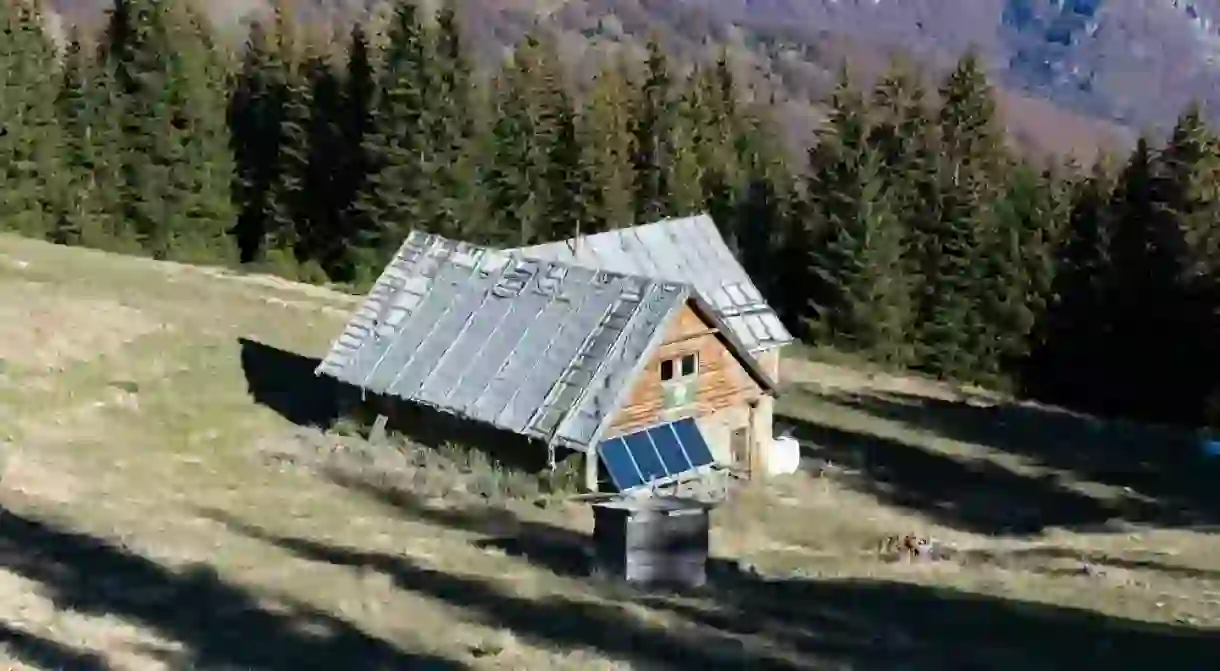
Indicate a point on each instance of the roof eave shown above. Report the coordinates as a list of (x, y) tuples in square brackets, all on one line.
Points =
[(743, 355)]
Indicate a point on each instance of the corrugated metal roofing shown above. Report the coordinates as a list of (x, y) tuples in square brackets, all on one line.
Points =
[(689, 250), (535, 347)]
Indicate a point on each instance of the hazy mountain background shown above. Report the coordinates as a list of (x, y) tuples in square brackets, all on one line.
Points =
[(1075, 74)]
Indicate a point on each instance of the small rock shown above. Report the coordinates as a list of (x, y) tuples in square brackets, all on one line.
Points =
[(1091, 571)]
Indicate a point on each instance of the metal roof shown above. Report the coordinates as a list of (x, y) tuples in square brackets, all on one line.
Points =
[(535, 347), (688, 250)]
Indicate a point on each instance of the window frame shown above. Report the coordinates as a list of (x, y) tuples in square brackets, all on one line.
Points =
[(677, 367)]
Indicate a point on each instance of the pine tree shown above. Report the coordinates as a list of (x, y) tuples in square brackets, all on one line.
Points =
[(455, 173), (1185, 236), (761, 206), (255, 110), (608, 144), (721, 147), (567, 204), (1028, 225), (33, 188), (179, 168), (685, 196), (1069, 361), (654, 127), (397, 146), (905, 135), (322, 227), (343, 259), (289, 200), (965, 297), (86, 220), (1144, 297), (532, 145), (864, 305)]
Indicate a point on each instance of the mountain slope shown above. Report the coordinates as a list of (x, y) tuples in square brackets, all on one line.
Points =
[(1053, 95)]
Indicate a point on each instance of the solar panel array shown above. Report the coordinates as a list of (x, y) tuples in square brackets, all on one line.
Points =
[(655, 453)]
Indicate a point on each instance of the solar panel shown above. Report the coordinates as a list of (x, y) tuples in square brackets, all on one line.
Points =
[(619, 464), (646, 457), (670, 449), (654, 453), (692, 441)]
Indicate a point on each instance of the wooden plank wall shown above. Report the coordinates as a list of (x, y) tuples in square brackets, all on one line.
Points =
[(722, 381)]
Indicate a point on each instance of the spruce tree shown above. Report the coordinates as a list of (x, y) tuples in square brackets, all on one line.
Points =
[(1143, 287), (1185, 238), (397, 145), (179, 168), (256, 107), (34, 191), (864, 301), (86, 219), (1070, 360), (454, 180), (762, 204), (721, 147), (533, 148), (905, 135), (344, 261), (691, 122), (608, 143), (966, 289), (568, 205), (290, 200), (322, 229), (654, 127)]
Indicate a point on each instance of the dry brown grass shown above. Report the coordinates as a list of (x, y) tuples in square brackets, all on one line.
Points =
[(165, 509)]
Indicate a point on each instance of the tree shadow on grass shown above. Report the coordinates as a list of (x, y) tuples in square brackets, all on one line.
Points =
[(218, 624), (40, 652), (1030, 558), (561, 550), (974, 495), (747, 621), (1159, 464)]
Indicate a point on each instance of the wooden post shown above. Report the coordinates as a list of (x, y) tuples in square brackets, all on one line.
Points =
[(591, 470)]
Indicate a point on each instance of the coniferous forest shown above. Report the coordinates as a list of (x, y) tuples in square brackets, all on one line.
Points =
[(909, 233)]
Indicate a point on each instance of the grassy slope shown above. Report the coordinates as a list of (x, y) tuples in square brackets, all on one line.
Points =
[(158, 515)]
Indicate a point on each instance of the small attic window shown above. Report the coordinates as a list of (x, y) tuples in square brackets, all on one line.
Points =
[(690, 365), (680, 368)]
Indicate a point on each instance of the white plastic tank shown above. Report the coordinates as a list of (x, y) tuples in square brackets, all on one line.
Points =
[(784, 456)]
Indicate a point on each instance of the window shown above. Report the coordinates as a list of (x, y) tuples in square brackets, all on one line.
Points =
[(679, 368), (690, 365)]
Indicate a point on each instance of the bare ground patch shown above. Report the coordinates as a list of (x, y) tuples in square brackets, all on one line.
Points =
[(45, 329)]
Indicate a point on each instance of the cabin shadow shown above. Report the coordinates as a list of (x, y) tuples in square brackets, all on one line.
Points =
[(973, 495), (744, 620), (1161, 465), (285, 382)]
